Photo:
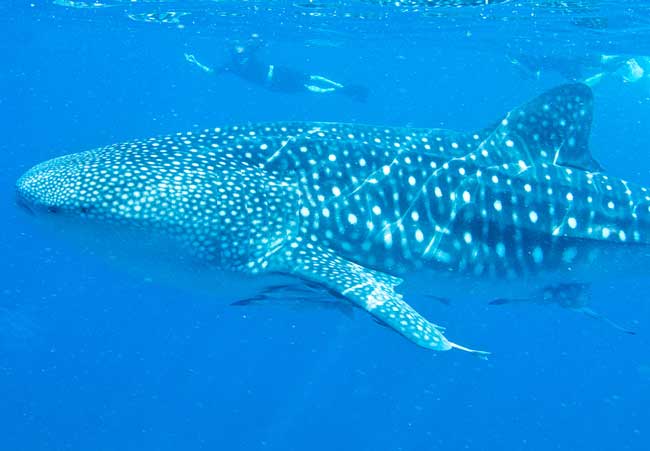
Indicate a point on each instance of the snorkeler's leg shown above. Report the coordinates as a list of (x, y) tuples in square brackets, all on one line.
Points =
[(190, 58), (611, 62), (324, 82), (594, 80), (320, 84), (318, 89), (592, 314)]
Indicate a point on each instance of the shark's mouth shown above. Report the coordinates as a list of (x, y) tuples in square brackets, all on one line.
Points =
[(23, 204)]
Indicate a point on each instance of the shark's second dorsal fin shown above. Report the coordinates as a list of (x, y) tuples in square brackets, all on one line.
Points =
[(555, 127)]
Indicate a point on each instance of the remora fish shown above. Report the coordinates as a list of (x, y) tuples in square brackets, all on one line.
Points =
[(298, 297), (360, 209)]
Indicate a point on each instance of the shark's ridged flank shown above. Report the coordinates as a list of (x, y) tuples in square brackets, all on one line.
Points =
[(359, 208)]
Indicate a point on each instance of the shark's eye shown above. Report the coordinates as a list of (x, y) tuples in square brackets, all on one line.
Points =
[(53, 209), (84, 210)]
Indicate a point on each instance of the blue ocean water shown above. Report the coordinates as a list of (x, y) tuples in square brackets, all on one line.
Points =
[(94, 358)]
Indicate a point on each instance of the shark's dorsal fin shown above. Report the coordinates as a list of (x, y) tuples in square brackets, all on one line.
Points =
[(373, 291), (554, 127)]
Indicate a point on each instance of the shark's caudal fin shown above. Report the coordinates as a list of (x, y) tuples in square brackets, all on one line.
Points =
[(554, 127)]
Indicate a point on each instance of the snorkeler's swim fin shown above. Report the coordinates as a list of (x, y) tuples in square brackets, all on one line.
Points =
[(356, 92), (502, 301)]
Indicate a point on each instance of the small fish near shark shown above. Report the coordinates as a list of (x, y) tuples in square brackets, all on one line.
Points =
[(298, 296), (375, 215)]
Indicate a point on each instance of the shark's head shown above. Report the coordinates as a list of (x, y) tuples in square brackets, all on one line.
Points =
[(54, 188), (162, 193)]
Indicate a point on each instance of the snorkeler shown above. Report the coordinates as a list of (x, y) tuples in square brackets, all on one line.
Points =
[(627, 70), (245, 64), (590, 69), (570, 296)]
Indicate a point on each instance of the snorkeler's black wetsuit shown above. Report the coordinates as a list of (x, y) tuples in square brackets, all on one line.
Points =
[(275, 78), (571, 67), (245, 64)]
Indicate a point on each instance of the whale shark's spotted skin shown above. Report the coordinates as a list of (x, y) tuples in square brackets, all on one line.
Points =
[(357, 208)]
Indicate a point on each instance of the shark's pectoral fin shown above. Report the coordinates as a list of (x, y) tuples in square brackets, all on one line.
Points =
[(370, 290), (554, 127)]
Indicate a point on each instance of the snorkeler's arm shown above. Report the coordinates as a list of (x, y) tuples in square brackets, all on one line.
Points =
[(192, 60)]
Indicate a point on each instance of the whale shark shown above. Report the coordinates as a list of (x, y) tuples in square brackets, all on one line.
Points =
[(378, 216)]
